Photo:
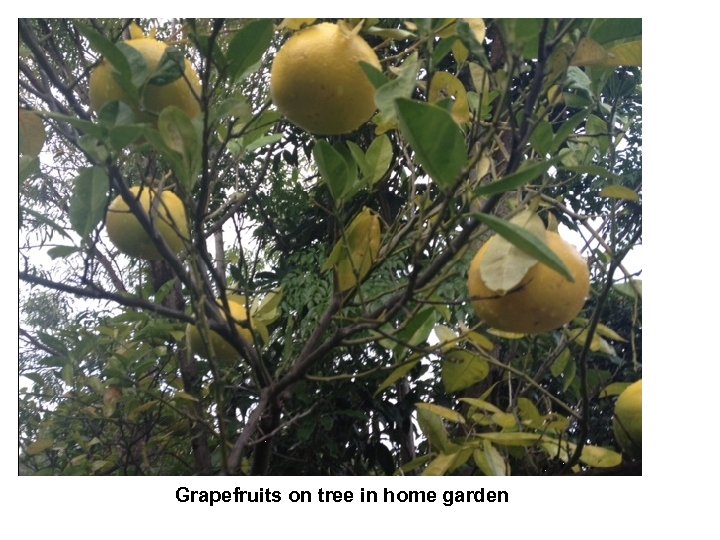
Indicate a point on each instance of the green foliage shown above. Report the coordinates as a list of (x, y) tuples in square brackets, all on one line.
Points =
[(395, 375)]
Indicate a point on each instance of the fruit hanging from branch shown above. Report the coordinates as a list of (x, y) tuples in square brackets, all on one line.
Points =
[(541, 301), (317, 82), (167, 215), (160, 90)]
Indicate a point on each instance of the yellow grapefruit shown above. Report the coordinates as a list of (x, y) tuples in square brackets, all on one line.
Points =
[(181, 92), (317, 82), (223, 350), (166, 213), (627, 422), (544, 300)]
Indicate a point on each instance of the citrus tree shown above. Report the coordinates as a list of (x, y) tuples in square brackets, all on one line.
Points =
[(329, 247)]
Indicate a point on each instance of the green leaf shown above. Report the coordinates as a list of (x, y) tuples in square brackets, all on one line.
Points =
[(442, 49), (417, 330), (594, 170), (527, 242), (396, 375), (438, 142), (469, 39), (567, 129), (400, 87), (558, 366), (170, 68), (542, 137), (247, 47), (631, 289), (619, 192), (139, 71), (179, 135), (234, 107), (44, 220), (606, 31), (516, 180), (359, 157), (414, 464), (334, 169), (60, 252), (376, 77), (444, 412), (88, 200), (27, 167), (378, 158), (264, 140), (433, 428), (108, 49), (462, 369)]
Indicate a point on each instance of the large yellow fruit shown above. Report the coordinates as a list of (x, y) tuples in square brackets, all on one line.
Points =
[(181, 92), (544, 300), (222, 349), (627, 422), (167, 214), (317, 82)]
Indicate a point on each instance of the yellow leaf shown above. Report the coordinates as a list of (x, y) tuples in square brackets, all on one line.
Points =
[(596, 456), (439, 465), (31, 133), (447, 29), (480, 78), (460, 52), (447, 337), (444, 412), (625, 54), (589, 53), (480, 341), (504, 420), (39, 446), (445, 85), (505, 335), (614, 389), (477, 26), (609, 333), (356, 251), (619, 192), (481, 404)]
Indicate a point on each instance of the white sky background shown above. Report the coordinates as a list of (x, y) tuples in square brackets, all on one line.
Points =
[(680, 198)]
